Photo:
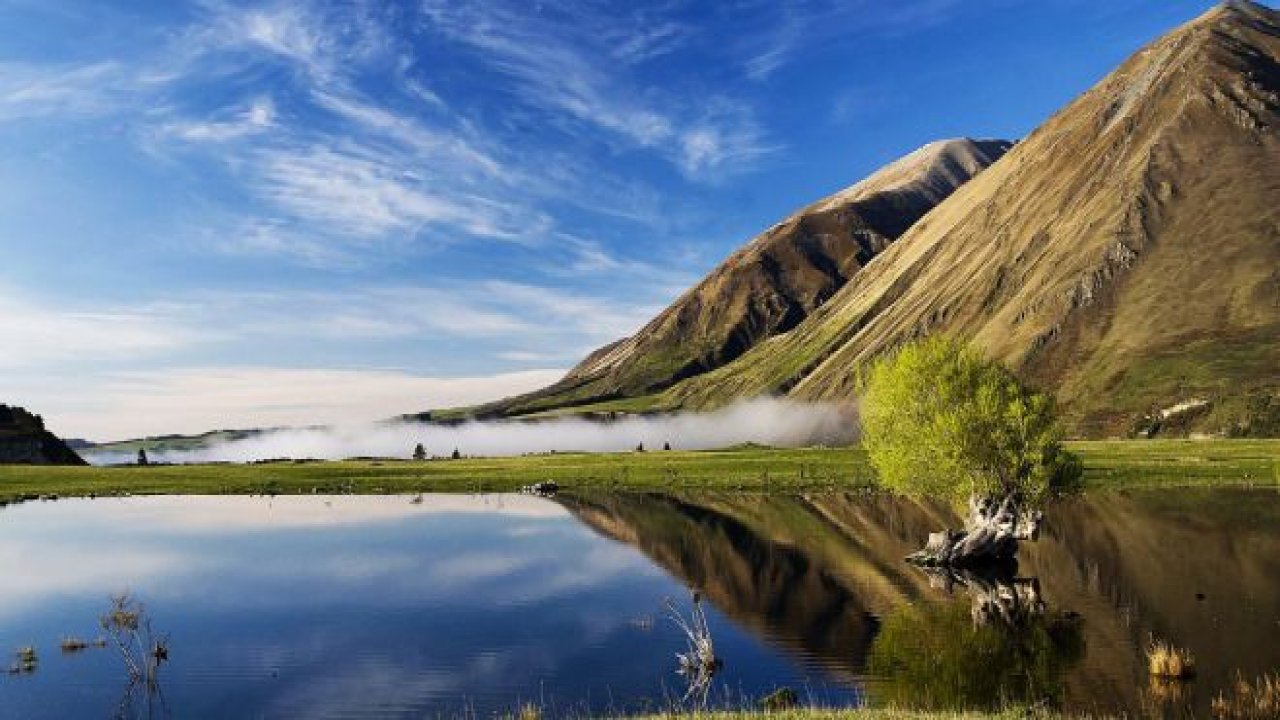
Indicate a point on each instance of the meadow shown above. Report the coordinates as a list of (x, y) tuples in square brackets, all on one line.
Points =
[(1108, 464)]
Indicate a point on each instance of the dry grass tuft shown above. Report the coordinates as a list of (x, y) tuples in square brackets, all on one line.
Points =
[(529, 711), (1164, 660), (1250, 700)]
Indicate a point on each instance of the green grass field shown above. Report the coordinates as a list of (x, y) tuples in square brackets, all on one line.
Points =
[(1110, 464)]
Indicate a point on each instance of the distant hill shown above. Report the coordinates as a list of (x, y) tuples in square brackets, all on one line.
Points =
[(25, 441), (1125, 257), (770, 285), (156, 444)]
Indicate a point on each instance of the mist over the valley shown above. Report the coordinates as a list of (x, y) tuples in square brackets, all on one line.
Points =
[(767, 421)]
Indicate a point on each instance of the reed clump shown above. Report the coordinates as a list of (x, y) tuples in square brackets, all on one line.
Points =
[(71, 645), (1249, 700), (27, 662), (1165, 660)]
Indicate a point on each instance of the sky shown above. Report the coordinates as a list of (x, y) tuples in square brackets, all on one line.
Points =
[(217, 214)]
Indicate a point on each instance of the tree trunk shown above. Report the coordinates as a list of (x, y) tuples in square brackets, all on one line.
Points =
[(991, 534)]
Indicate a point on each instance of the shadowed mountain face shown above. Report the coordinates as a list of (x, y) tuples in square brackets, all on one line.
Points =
[(1123, 256), (772, 284), (24, 441), (823, 576)]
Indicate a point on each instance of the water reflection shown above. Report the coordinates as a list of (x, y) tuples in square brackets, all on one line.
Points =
[(823, 577), (352, 607), (1001, 647), (359, 607)]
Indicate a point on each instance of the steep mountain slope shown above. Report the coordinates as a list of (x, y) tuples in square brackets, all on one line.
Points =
[(25, 441), (774, 282), (1126, 255)]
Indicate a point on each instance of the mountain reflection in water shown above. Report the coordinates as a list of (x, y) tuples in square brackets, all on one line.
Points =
[(822, 576)]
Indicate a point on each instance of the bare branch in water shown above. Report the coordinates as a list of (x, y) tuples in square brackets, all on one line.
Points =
[(699, 663)]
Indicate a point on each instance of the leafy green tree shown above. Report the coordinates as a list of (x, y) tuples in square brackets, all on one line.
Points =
[(940, 420), (419, 452)]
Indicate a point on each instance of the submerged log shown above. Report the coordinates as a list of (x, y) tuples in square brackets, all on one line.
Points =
[(991, 534)]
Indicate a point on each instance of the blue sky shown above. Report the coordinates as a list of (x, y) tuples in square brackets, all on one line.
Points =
[(215, 214)]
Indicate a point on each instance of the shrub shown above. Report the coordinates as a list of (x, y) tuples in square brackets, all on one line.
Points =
[(940, 420)]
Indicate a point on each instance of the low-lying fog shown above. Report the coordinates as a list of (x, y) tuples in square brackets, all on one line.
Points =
[(775, 422)]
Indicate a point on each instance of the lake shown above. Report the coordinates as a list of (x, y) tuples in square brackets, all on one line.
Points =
[(356, 607)]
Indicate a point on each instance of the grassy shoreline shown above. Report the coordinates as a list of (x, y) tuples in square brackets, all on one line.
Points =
[(858, 714), (1108, 464)]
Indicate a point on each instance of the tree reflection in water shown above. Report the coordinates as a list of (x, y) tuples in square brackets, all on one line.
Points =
[(1004, 648)]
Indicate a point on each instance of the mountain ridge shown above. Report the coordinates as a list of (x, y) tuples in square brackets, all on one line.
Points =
[(772, 283)]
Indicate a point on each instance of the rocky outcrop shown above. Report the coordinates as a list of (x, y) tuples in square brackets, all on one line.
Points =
[(25, 441)]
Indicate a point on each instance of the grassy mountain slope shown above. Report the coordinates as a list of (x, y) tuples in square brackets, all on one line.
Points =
[(1124, 255), (25, 441), (771, 284)]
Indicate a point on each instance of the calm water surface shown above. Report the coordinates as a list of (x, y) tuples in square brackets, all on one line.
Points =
[(379, 607)]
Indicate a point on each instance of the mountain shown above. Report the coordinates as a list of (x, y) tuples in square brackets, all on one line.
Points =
[(25, 441), (1125, 255), (773, 283)]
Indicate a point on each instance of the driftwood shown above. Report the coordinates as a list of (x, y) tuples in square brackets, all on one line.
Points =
[(991, 534)]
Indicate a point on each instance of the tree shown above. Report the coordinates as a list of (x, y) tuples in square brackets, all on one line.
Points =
[(142, 456), (456, 455), (419, 452), (666, 446), (940, 420), (640, 447)]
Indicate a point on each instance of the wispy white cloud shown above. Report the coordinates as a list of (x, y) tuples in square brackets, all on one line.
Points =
[(274, 237), (441, 145), (551, 71), (37, 334), (724, 136), (592, 317), (319, 40), (30, 91), (658, 38), (561, 66), (588, 258), (781, 41), (361, 191), (258, 116)]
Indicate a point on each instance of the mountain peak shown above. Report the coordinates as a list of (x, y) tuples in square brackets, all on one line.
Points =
[(1246, 8), (936, 168)]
